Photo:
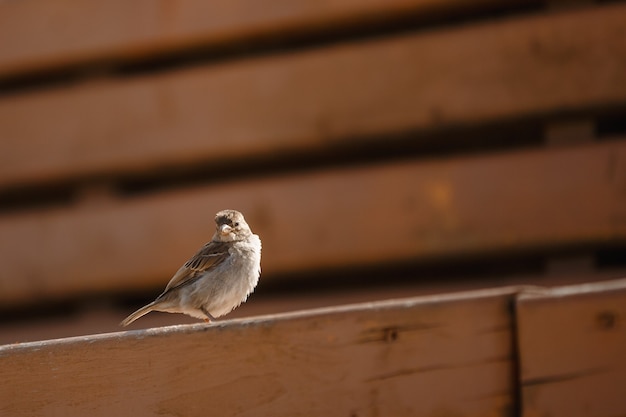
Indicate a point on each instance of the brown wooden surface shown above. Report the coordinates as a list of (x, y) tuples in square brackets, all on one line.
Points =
[(572, 344), (346, 217), (298, 102), (120, 29), (418, 356)]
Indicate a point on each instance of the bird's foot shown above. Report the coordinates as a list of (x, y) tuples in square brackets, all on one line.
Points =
[(209, 318)]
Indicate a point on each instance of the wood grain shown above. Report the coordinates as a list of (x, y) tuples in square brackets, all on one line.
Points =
[(119, 29), (430, 356), (572, 342), (315, 100), (414, 210)]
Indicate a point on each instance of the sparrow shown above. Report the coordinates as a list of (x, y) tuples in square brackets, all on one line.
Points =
[(218, 278)]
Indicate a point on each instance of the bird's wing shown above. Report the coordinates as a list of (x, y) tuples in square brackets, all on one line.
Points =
[(208, 257)]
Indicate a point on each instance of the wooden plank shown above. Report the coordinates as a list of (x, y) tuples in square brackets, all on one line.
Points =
[(316, 100), (120, 29), (572, 342), (438, 355), (105, 315), (413, 210)]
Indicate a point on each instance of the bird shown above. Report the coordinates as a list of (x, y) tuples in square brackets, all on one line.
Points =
[(218, 278)]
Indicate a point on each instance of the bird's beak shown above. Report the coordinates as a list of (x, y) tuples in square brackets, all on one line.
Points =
[(225, 229)]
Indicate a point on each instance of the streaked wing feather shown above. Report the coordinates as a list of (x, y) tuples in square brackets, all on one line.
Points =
[(209, 256)]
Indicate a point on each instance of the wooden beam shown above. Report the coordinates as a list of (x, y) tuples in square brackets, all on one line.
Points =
[(572, 343), (121, 30), (503, 203), (105, 314), (435, 355), (315, 100)]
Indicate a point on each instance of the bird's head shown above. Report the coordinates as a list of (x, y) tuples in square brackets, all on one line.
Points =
[(230, 226)]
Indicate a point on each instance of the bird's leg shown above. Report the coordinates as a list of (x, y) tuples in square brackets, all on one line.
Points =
[(209, 317)]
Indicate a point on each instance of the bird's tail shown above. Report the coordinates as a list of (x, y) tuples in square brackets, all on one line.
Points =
[(139, 313)]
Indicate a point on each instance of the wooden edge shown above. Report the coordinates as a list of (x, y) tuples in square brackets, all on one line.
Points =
[(571, 343), (100, 318), (314, 101), (265, 319), (456, 349), (536, 293), (132, 30)]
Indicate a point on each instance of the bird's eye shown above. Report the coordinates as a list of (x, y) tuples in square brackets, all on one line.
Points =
[(237, 224)]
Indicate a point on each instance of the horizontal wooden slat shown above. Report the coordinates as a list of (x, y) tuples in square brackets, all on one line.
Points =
[(120, 30), (439, 355), (572, 342), (541, 199), (557, 62), (105, 317)]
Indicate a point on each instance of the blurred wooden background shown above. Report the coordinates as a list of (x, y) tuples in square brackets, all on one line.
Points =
[(380, 148)]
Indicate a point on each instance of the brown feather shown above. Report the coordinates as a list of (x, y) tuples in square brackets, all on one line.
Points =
[(209, 256)]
